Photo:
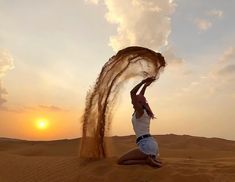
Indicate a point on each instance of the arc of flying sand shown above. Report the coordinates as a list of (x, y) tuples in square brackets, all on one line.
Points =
[(100, 99), (101, 125)]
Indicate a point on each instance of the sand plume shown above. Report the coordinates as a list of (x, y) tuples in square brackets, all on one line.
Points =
[(127, 63)]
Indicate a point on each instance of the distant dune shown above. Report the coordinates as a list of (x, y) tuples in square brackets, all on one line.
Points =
[(185, 159)]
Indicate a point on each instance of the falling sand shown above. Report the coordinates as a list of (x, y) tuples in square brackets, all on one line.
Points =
[(127, 63)]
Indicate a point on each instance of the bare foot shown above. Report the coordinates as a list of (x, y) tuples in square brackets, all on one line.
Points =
[(153, 162), (157, 160)]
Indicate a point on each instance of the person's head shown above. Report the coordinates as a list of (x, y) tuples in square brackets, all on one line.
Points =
[(142, 100)]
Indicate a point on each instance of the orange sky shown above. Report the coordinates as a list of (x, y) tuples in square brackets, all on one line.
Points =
[(51, 53)]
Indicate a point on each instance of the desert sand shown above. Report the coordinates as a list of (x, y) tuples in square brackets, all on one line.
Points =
[(185, 158)]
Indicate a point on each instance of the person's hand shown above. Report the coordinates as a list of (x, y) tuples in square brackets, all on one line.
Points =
[(148, 80), (148, 83)]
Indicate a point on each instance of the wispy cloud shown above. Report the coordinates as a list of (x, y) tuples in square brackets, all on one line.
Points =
[(51, 108), (171, 58), (92, 1), (217, 81), (203, 24), (215, 13), (43, 108), (226, 64), (175, 64), (6, 64), (220, 79), (228, 55), (227, 70)]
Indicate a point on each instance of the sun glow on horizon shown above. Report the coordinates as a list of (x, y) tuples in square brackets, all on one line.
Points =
[(42, 123)]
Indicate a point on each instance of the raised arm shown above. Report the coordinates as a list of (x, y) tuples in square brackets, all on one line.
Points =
[(136, 88), (148, 81), (137, 106), (143, 89)]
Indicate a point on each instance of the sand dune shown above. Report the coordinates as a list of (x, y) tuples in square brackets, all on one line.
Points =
[(185, 158)]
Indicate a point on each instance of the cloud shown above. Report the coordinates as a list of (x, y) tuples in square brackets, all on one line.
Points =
[(207, 22), (139, 22), (215, 13), (221, 77), (224, 69), (2, 93), (48, 108), (6, 64), (226, 64), (227, 70), (203, 24), (42, 108), (228, 55), (175, 63), (217, 81), (143, 23), (51, 108), (192, 86), (92, 1), (172, 59)]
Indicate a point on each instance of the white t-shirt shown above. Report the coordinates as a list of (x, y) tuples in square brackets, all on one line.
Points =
[(141, 125)]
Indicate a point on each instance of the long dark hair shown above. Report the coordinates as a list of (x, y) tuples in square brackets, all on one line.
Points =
[(145, 105)]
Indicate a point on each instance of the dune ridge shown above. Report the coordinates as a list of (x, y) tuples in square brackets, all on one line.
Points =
[(185, 158)]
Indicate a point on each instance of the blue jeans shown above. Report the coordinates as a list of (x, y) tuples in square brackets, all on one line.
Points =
[(148, 146)]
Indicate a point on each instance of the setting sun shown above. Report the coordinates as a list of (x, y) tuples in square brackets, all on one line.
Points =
[(42, 123)]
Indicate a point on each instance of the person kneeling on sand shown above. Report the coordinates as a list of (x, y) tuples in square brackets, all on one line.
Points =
[(147, 150)]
